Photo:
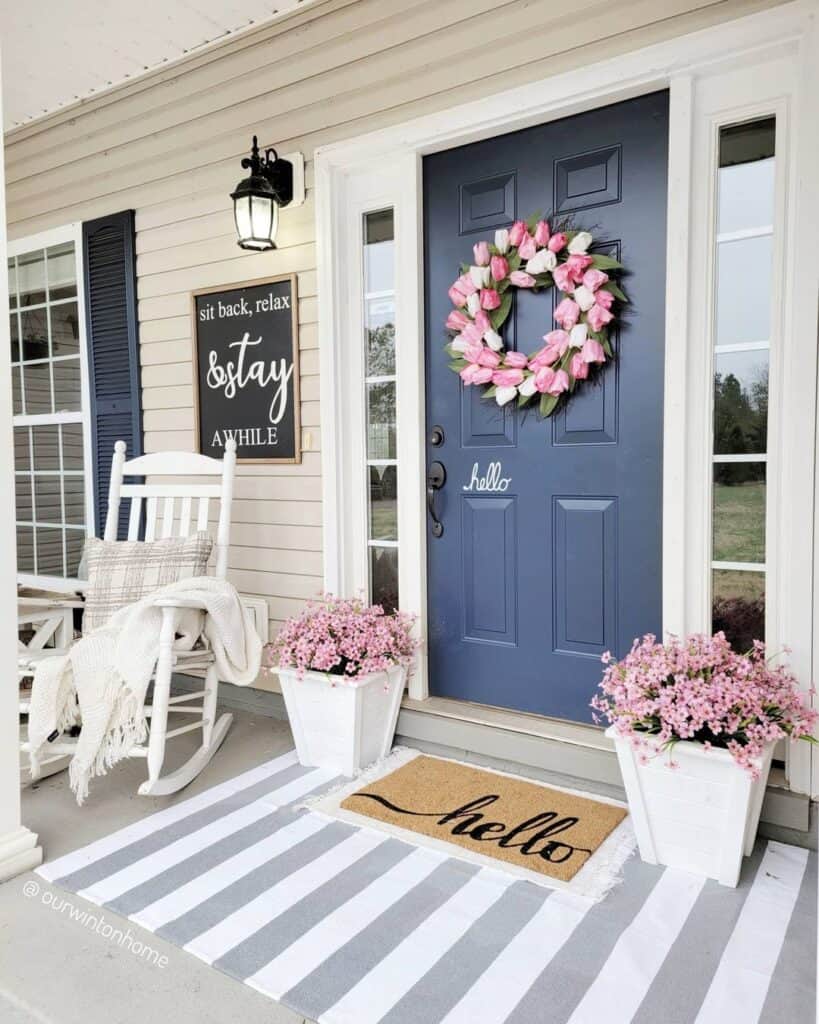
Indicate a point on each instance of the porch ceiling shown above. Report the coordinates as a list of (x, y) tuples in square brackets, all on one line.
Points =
[(56, 53)]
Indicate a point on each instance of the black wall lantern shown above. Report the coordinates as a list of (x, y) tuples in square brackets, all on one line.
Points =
[(257, 199)]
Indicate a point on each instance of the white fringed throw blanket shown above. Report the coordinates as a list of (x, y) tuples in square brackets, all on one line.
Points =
[(102, 681)]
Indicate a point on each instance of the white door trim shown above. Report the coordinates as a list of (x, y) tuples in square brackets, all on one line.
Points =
[(386, 165)]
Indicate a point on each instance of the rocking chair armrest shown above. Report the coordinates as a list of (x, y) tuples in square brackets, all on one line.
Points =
[(181, 603)]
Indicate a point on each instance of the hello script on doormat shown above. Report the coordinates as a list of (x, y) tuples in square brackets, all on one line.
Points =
[(545, 830)]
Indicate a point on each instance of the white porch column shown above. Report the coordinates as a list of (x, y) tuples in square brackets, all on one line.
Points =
[(18, 846)]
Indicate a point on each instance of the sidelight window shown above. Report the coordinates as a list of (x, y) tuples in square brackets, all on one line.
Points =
[(49, 418), (380, 405), (742, 331)]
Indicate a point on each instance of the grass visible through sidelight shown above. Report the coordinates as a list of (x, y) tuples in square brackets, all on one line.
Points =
[(739, 522)]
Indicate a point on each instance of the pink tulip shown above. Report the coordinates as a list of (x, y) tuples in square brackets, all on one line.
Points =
[(594, 279), (579, 263), (482, 321), (559, 384), (483, 375), (563, 277), (544, 378), (542, 234), (507, 378), (457, 320), (472, 334), (489, 298), (499, 267), (466, 285), (472, 352), (456, 296), (521, 279), (517, 232), (489, 358), (515, 359), (557, 241), (545, 357), (481, 251), (527, 247), (567, 314), (598, 317), (592, 351), (560, 339), (578, 367), (604, 298), (467, 374)]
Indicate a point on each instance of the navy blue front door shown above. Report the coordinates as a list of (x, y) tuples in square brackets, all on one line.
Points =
[(552, 534)]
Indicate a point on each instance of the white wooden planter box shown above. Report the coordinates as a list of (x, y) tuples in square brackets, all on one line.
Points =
[(342, 725), (702, 816)]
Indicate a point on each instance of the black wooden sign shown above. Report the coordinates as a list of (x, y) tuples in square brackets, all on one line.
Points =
[(246, 370)]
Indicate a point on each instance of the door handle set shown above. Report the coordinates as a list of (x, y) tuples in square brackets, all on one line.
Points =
[(436, 478)]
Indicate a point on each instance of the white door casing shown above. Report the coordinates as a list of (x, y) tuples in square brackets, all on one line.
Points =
[(754, 66)]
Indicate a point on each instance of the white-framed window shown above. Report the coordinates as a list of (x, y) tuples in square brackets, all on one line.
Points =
[(743, 289), (380, 382), (53, 487)]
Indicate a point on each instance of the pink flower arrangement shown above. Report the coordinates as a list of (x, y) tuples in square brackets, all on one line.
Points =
[(343, 637), (528, 255), (700, 689)]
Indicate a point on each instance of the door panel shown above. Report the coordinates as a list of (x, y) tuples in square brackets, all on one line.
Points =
[(551, 550)]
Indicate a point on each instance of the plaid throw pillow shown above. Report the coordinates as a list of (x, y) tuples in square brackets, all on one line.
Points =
[(122, 572)]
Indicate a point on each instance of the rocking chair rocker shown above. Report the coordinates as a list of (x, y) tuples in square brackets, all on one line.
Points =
[(184, 509)]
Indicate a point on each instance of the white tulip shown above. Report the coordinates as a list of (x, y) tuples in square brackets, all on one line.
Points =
[(458, 344), (541, 262), (473, 303), (504, 395), (584, 297), (480, 276), (528, 386), (493, 340), (580, 243), (502, 240), (577, 335)]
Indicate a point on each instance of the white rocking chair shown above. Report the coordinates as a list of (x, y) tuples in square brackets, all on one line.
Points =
[(171, 510)]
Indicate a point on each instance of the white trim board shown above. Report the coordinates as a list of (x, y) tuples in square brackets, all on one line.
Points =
[(712, 77)]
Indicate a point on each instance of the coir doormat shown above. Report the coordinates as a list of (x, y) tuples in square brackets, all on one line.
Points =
[(548, 831)]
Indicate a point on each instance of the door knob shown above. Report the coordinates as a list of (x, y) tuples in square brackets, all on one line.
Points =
[(436, 478)]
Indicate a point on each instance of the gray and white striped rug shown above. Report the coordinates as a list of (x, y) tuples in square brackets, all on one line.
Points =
[(347, 925)]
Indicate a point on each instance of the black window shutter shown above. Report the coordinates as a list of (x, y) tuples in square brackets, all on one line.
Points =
[(113, 349)]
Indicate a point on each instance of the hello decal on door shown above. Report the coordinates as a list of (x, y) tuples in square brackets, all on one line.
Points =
[(492, 482)]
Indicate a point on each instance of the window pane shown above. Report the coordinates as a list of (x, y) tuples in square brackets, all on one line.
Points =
[(25, 548), (739, 512), (72, 446), (378, 252), (746, 196), (22, 495), (67, 390), (37, 388), (65, 330), (48, 507), (12, 283), (46, 447), (74, 496), (743, 291), (383, 503), (381, 421), (31, 278), (384, 577), (22, 453), (14, 330), (380, 327), (74, 543), (49, 552), (738, 606), (34, 332), (16, 390), (62, 271), (741, 403)]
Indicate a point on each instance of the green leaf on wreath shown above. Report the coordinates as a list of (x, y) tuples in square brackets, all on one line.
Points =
[(531, 224), (547, 404), (601, 262), (458, 364), (524, 400), (514, 261), (610, 286), (490, 392), (498, 316)]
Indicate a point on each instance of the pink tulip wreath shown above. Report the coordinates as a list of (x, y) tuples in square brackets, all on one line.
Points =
[(528, 255)]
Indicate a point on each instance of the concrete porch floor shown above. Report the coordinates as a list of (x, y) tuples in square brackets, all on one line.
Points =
[(55, 970)]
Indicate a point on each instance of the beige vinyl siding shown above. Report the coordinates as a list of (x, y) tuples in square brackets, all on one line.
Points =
[(168, 145)]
